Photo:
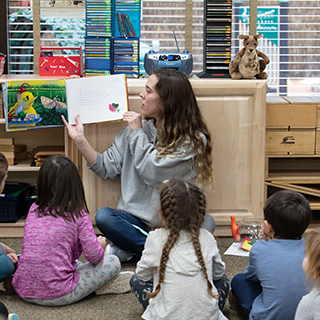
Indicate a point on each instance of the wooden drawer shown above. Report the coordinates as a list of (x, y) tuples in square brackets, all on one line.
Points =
[(295, 141), (294, 112), (317, 101), (318, 141)]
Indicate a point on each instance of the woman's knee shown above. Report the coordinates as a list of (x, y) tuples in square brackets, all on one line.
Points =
[(102, 215), (209, 223), (113, 262)]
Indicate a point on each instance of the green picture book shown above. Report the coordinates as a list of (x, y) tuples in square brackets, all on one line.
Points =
[(36, 104)]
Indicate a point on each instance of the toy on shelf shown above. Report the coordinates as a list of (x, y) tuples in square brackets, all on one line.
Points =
[(249, 63), (52, 61), (2, 62)]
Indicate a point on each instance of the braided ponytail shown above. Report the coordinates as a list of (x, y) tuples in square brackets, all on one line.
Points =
[(183, 205)]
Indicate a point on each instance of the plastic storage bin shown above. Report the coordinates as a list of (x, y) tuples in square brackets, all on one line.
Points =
[(31, 196), (12, 201)]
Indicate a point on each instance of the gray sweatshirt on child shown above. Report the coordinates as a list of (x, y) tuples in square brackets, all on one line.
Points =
[(133, 157), (309, 306)]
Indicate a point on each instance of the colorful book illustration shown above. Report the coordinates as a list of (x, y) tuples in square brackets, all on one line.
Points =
[(247, 244), (35, 104)]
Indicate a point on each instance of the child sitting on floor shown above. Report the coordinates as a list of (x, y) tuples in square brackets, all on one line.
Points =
[(309, 306), (181, 260), (273, 282), (8, 257), (56, 232)]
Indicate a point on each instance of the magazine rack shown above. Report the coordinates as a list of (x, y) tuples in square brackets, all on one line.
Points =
[(216, 39)]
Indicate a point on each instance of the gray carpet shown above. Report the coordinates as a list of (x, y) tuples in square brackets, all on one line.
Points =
[(112, 306)]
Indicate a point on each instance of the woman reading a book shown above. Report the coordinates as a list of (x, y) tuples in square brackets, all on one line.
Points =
[(173, 141)]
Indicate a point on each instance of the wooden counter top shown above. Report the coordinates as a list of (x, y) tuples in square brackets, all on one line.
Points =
[(218, 87)]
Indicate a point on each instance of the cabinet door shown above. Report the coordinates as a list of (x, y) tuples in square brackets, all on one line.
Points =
[(237, 155), (235, 114)]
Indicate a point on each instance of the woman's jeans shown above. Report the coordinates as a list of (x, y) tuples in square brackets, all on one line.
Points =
[(128, 232)]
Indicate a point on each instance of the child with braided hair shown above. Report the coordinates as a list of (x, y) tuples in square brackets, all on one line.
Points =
[(181, 260)]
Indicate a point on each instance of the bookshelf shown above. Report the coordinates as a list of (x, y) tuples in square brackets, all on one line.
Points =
[(112, 37)]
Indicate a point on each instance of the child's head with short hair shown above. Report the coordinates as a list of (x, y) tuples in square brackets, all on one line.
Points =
[(311, 263), (3, 171), (288, 213), (59, 189), (183, 207)]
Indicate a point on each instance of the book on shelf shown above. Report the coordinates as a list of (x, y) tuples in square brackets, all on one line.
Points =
[(37, 104)]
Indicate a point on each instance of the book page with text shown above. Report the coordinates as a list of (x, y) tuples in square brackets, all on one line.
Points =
[(97, 99)]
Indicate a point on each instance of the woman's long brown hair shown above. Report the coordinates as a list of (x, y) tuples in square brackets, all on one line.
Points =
[(180, 122)]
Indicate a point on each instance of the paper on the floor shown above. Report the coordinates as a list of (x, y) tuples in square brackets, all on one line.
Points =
[(236, 250)]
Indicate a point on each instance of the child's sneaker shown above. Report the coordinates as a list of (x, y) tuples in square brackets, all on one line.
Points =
[(13, 316), (123, 256), (119, 284)]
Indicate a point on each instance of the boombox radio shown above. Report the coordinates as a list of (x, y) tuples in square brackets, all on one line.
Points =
[(179, 61)]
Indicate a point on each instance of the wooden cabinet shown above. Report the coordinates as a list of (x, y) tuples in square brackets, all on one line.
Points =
[(292, 148), (235, 114)]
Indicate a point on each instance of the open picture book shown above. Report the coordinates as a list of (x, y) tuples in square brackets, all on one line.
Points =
[(35, 104)]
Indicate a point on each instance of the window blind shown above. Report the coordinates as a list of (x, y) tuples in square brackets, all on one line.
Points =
[(291, 41), (20, 37), (291, 35), (158, 21), (62, 24)]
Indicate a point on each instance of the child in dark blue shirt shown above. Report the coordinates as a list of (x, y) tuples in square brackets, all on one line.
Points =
[(274, 281)]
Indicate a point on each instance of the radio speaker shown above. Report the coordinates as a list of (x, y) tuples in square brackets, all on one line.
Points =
[(150, 65)]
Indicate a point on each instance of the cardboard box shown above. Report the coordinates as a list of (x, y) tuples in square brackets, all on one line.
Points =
[(293, 112), (52, 63), (295, 141)]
